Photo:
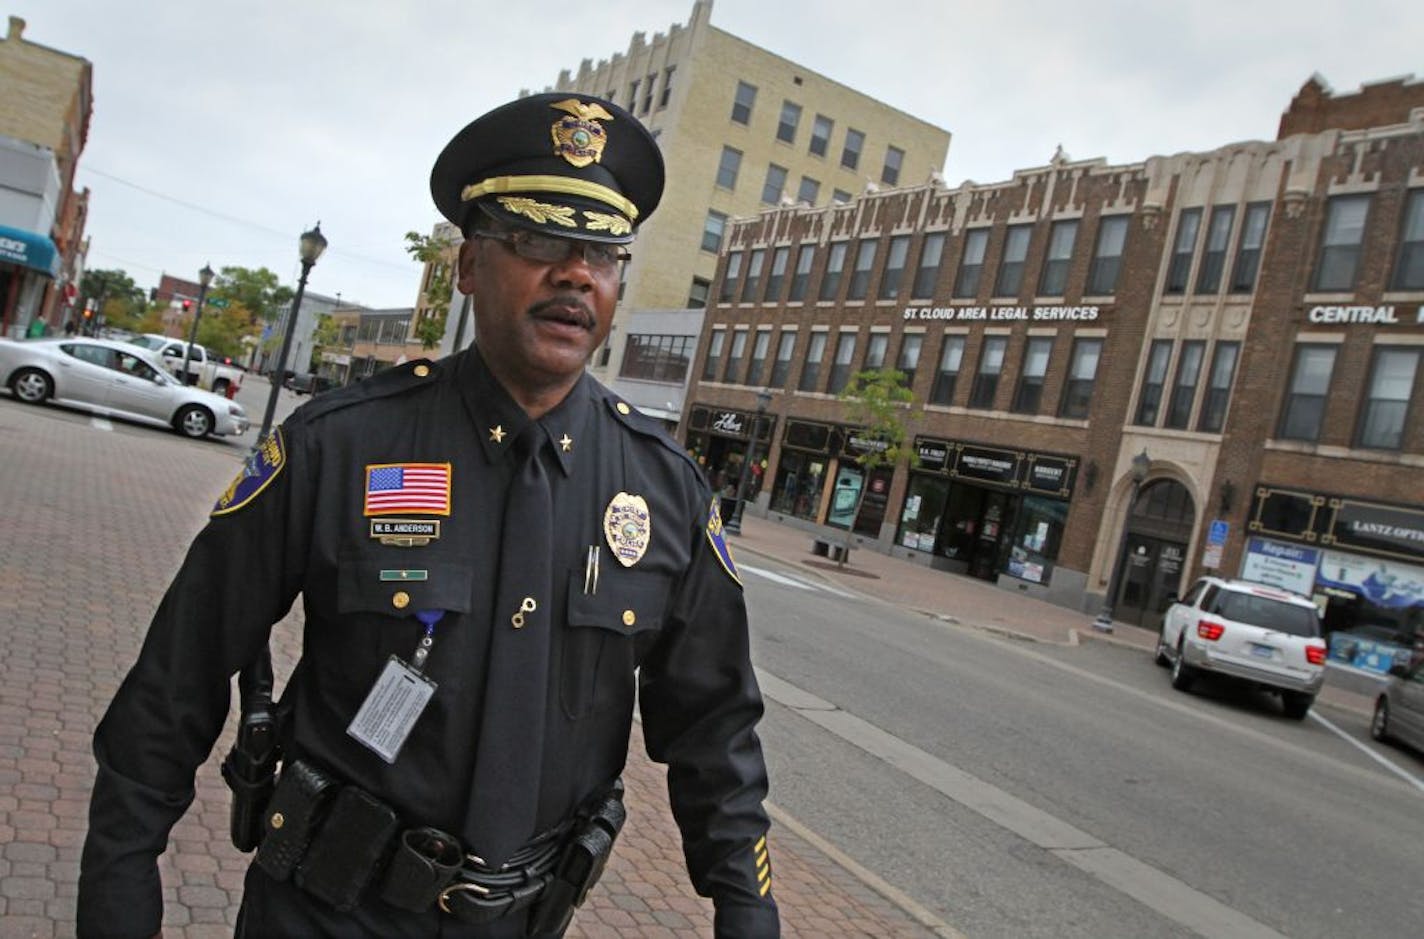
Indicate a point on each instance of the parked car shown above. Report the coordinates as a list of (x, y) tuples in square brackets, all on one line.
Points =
[(114, 378), (206, 368), (1399, 709), (1250, 632), (304, 383)]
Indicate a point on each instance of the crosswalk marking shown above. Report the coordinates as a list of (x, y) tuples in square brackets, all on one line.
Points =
[(792, 581), (100, 423)]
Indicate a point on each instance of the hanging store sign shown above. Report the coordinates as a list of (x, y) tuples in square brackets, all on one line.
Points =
[(1378, 529), (1049, 474), (989, 465), (933, 454)]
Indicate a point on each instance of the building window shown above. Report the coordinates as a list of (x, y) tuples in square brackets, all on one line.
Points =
[(1218, 234), (1248, 251), (648, 93), (991, 365), (966, 282), (712, 230), (777, 278), (811, 371), (1409, 266), (1182, 250), (860, 274), (809, 190), (728, 167), (1107, 255), (927, 274), (1029, 393), (785, 348), (909, 361), (1218, 389), (697, 296), (1391, 386), (835, 268), (734, 358), (841, 365), (840, 197), (875, 351), (790, 118), (742, 104), (730, 277), (632, 96), (821, 134), (1340, 244), (951, 357), (755, 260), (775, 184), (1305, 396), (850, 154), (1061, 237), (1154, 380), (714, 352), (894, 160), (1082, 373), (759, 350), (657, 358), (622, 280), (894, 273), (1184, 389), (1010, 279), (667, 86), (805, 256)]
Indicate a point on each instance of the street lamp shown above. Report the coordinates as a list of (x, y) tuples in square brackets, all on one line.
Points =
[(312, 245), (205, 277), (1140, 465), (734, 524)]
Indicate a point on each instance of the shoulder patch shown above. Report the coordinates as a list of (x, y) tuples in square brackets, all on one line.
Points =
[(259, 469), (716, 536)]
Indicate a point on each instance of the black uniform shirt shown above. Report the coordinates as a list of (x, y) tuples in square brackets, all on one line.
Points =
[(301, 529)]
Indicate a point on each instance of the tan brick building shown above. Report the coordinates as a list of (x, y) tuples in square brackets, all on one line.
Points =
[(45, 108), (1248, 318)]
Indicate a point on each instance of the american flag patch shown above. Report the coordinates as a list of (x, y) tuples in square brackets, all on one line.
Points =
[(397, 488)]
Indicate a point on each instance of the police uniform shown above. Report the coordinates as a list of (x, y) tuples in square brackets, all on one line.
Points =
[(326, 509)]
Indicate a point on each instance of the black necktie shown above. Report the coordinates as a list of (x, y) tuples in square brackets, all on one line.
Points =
[(505, 795)]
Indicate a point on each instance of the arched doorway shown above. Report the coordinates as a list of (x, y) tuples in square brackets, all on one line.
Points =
[(1158, 531)]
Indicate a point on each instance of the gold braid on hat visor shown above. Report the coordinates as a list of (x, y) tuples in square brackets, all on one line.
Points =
[(554, 184)]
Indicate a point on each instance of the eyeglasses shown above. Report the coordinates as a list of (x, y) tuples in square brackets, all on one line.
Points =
[(548, 249)]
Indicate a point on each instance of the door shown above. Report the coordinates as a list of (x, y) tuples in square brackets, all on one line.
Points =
[(994, 524), (845, 496), (1152, 571), (137, 389), (84, 373)]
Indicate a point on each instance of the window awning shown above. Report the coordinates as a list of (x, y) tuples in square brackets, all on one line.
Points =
[(29, 249)]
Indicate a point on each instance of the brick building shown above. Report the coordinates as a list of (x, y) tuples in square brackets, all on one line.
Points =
[(1245, 321), (44, 123)]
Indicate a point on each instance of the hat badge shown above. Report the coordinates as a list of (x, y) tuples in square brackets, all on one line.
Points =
[(579, 138)]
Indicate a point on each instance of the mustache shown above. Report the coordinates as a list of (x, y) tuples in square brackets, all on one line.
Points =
[(563, 303)]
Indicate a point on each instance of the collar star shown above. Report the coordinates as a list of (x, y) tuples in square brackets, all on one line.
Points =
[(567, 443), (497, 433)]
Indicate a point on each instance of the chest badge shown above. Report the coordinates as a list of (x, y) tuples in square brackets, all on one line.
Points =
[(628, 528)]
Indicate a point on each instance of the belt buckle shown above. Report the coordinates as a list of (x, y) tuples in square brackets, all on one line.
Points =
[(458, 888)]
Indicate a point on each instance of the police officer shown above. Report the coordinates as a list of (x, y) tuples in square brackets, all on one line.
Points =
[(487, 547)]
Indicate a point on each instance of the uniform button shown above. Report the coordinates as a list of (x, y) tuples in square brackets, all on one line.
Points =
[(629, 617), (401, 600), (421, 371), (622, 408), (278, 820)]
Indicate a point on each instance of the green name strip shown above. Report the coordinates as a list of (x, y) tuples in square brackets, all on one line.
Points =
[(405, 575)]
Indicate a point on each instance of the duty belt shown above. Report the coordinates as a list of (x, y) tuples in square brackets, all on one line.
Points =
[(341, 844)]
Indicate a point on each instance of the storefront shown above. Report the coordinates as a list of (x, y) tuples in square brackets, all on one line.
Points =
[(717, 438), (1362, 561), (985, 511), (29, 262), (807, 451)]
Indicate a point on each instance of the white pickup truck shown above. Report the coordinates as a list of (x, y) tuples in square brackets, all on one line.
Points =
[(205, 368)]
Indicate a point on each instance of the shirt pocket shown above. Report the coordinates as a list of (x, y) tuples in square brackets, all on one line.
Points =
[(598, 652)]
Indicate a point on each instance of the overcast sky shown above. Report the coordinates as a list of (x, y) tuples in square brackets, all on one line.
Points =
[(223, 130)]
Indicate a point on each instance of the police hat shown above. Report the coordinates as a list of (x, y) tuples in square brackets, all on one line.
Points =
[(562, 164)]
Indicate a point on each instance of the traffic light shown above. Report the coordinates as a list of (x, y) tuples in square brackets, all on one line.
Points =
[(187, 306)]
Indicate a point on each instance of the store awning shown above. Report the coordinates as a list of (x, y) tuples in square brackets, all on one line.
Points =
[(29, 249)]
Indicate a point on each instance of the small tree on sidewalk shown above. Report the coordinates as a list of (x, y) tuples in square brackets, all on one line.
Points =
[(878, 403)]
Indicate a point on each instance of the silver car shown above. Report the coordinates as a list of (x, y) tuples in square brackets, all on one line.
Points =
[(1399, 709), (1262, 635), (113, 379)]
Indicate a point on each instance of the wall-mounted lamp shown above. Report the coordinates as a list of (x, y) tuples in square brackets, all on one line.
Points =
[(1226, 496), (1090, 475)]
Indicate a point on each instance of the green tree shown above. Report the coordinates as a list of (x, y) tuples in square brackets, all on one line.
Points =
[(112, 291), (430, 320), (259, 292), (327, 335), (878, 404)]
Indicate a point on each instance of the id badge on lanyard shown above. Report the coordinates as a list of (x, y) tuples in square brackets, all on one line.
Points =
[(398, 698)]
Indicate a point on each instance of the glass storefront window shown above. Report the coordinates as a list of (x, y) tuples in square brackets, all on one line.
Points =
[(920, 515), (799, 479), (1038, 531)]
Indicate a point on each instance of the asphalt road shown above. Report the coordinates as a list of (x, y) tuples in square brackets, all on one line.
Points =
[(1015, 789)]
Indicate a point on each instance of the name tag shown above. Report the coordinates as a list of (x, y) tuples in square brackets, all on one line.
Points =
[(391, 709)]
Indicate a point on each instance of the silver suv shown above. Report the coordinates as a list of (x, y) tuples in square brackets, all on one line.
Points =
[(1247, 631)]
